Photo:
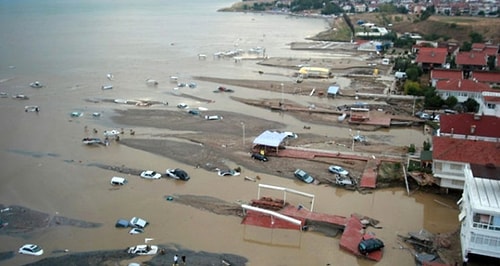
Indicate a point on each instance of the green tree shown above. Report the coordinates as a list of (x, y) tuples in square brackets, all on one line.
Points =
[(451, 101), (412, 88), (413, 72), (476, 37), (427, 145), (471, 105), (432, 99)]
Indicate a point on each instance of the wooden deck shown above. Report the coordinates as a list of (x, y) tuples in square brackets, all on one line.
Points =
[(353, 231)]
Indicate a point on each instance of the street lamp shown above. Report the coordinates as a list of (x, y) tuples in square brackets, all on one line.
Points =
[(282, 94), (352, 137), (243, 128)]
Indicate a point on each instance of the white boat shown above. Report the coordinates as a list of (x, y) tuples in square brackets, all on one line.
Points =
[(36, 85), (107, 87), (110, 76), (90, 141), (121, 101), (111, 133)]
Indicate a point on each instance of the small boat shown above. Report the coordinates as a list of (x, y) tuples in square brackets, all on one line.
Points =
[(107, 87), (20, 96), (90, 141), (110, 76), (32, 108), (121, 101), (76, 114), (36, 85), (111, 133)]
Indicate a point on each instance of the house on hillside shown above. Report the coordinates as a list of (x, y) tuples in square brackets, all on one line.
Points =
[(451, 156), (488, 77), (430, 58), (445, 74), (462, 89), (470, 126), (471, 61), (480, 212), (490, 104)]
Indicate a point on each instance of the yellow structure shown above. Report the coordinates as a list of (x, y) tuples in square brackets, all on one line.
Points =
[(315, 72)]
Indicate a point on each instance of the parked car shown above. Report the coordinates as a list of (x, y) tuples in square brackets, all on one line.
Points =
[(143, 250), (148, 174), (369, 245), (213, 117), (303, 176), (138, 222), (425, 116), (31, 249), (136, 231), (291, 135), (227, 172), (335, 169), (194, 112), (122, 223), (260, 157), (359, 138), (178, 173), (118, 181)]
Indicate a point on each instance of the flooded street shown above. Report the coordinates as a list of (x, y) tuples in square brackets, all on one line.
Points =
[(46, 167)]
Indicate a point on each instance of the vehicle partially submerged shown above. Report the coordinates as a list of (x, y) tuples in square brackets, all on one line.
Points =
[(369, 245), (178, 173), (335, 169), (303, 176), (149, 174), (143, 250), (138, 222), (31, 249), (227, 172)]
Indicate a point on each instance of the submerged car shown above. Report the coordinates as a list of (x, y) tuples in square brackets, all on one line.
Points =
[(303, 176), (178, 173), (148, 174), (136, 231), (143, 250), (138, 222), (31, 249), (118, 181), (369, 245), (122, 223), (227, 172), (260, 157), (335, 169)]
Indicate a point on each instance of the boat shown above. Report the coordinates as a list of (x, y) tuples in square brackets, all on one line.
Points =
[(36, 85), (90, 141), (107, 87), (111, 133)]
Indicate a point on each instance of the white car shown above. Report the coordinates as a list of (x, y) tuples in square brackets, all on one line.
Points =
[(138, 222), (227, 172), (31, 249), (136, 231), (143, 250), (111, 133), (338, 170), (148, 174)]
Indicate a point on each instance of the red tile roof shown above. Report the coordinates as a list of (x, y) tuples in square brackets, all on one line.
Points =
[(432, 55), (471, 58), (447, 74), (486, 126), (466, 151), (486, 76), (462, 85), (491, 99), (489, 49)]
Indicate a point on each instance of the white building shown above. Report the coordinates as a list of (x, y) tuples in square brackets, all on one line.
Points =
[(480, 214)]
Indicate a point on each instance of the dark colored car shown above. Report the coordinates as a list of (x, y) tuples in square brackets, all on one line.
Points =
[(178, 173), (369, 245), (122, 223), (260, 157)]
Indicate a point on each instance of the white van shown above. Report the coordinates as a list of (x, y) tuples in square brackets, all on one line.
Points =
[(400, 75), (118, 181)]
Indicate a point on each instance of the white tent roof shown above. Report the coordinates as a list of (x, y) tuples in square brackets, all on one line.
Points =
[(270, 138)]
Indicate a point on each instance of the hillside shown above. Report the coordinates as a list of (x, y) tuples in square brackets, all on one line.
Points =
[(446, 27)]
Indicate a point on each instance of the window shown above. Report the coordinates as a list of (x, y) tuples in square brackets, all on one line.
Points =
[(454, 166), (490, 106)]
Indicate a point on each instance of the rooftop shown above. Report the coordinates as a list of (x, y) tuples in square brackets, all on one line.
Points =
[(485, 125), (466, 151)]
